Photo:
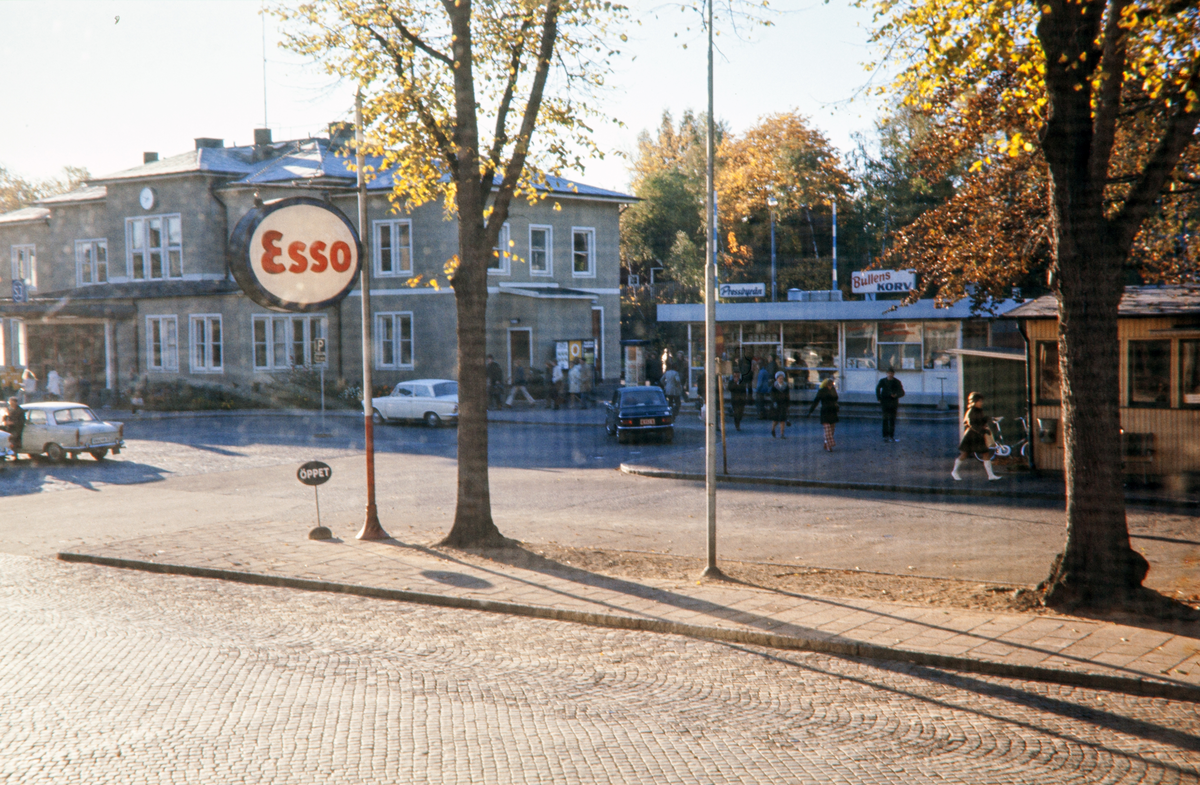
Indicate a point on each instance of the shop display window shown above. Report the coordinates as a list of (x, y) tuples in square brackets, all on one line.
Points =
[(1049, 387), (940, 338), (1189, 373), (1149, 373), (899, 346), (860, 344)]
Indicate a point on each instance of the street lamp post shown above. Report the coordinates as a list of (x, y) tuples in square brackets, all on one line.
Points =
[(772, 203)]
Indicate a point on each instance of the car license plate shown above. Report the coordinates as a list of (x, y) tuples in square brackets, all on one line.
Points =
[(647, 421)]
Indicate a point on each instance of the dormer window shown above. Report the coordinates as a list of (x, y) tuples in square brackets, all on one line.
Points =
[(154, 247)]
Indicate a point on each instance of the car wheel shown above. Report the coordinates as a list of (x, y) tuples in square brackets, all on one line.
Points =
[(432, 420), (377, 418), (99, 454), (54, 452), (668, 436)]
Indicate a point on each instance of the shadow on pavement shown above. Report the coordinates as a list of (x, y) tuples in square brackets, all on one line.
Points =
[(26, 476)]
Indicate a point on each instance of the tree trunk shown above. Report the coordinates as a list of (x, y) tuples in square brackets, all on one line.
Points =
[(473, 525), (1097, 565)]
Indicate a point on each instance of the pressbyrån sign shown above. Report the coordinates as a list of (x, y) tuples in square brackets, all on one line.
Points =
[(295, 255), (742, 290), (883, 281)]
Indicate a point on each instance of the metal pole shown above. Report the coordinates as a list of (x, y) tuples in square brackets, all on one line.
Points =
[(317, 499), (371, 529), (710, 328), (835, 283), (773, 294)]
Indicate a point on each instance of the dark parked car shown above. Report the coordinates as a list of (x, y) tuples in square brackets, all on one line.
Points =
[(639, 410)]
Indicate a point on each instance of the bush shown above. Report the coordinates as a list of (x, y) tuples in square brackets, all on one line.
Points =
[(182, 396)]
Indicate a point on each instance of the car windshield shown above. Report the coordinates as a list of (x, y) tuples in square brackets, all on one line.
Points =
[(445, 388), (80, 414), (646, 397)]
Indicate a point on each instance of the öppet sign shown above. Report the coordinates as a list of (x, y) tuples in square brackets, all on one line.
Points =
[(314, 473), (297, 254)]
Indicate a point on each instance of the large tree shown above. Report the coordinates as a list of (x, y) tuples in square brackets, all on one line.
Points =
[(17, 191), (454, 93), (1078, 114)]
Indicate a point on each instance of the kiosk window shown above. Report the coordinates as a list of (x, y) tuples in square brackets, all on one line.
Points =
[(1049, 386), (900, 346), (940, 338), (1189, 373), (860, 344), (1149, 373)]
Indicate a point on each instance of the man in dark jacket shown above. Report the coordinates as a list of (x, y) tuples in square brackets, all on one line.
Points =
[(495, 383), (13, 421), (888, 392), (738, 390)]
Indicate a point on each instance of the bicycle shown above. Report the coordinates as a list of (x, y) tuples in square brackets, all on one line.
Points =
[(1006, 451)]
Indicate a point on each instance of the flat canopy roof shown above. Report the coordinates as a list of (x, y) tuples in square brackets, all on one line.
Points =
[(844, 311)]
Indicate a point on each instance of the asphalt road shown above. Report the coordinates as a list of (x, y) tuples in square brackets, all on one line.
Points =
[(548, 484), (116, 676)]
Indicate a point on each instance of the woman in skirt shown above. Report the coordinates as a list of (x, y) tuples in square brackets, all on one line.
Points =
[(974, 439), (827, 397)]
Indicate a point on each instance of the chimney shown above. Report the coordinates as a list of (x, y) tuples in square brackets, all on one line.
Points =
[(262, 136), (205, 142), (340, 133), (149, 158)]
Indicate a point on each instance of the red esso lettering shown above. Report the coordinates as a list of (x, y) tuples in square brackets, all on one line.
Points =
[(299, 260), (317, 252), (339, 256), (270, 251)]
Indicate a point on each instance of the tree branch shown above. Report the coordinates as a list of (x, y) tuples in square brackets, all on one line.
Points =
[(416, 41), (1108, 100), (1178, 135), (532, 106), (500, 138)]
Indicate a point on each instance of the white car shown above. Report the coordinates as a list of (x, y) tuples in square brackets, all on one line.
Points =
[(58, 429), (433, 400)]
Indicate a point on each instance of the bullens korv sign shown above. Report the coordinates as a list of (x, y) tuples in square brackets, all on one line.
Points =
[(297, 254)]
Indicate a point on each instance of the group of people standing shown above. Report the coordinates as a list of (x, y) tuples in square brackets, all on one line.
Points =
[(563, 387), (57, 387)]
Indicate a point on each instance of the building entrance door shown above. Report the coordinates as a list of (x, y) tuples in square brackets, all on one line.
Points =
[(520, 347)]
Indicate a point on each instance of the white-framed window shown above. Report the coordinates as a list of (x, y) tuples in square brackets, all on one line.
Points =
[(24, 265), (162, 343), (208, 355), (393, 340), (91, 262), (283, 341), (541, 250), (583, 252), (393, 247), (154, 246), (501, 261)]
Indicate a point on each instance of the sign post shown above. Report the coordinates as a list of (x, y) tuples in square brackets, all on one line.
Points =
[(319, 358), (315, 473)]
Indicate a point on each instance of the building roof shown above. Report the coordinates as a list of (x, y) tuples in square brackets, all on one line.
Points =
[(87, 193), (25, 215), (846, 310), (1137, 301), (313, 161)]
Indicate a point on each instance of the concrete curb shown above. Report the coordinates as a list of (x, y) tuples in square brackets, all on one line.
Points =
[(929, 490), (1122, 684)]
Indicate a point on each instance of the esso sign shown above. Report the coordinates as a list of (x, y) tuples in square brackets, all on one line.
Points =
[(296, 254)]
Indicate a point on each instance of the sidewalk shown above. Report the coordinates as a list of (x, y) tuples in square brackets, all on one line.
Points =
[(1155, 658)]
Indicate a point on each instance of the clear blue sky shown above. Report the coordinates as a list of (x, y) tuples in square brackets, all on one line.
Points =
[(95, 83)]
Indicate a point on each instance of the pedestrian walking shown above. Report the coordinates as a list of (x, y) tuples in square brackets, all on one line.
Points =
[(738, 392), (554, 386), (575, 384), (14, 422), (54, 385), (888, 392), (672, 387), (827, 397), (974, 440), (781, 399), (518, 385), (762, 391), (495, 383), (137, 392), (29, 382)]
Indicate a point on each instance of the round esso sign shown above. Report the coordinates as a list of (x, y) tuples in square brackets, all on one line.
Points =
[(296, 254)]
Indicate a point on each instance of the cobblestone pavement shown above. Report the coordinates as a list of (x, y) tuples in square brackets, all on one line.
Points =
[(115, 676)]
